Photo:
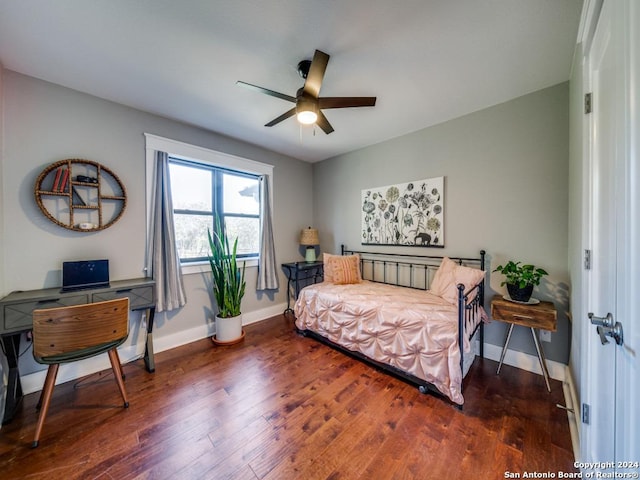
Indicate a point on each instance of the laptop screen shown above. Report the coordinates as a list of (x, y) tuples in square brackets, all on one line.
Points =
[(85, 274)]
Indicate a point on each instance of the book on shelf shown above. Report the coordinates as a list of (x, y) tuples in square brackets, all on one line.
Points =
[(56, 180), (63, 182)]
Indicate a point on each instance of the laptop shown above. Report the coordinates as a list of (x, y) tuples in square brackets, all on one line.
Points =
[(85, 274)]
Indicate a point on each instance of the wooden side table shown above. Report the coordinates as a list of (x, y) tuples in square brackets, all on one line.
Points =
[(539, 316)]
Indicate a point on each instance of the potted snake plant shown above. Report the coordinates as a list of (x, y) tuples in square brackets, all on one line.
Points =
[(228, 285)]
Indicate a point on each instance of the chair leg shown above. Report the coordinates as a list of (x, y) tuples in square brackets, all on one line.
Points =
[(39, 404), (117, 373), (45, 398)]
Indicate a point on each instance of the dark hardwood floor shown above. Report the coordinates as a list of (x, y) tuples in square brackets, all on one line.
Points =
[(281, 406)]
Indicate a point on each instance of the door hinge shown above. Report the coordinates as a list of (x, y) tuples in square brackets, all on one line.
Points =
[(587, 259), (585, 413), (588, 97)]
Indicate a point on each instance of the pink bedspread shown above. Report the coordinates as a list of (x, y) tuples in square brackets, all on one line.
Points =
[(412, 330)]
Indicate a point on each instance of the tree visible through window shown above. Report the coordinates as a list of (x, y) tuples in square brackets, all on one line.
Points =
[(199, 193)]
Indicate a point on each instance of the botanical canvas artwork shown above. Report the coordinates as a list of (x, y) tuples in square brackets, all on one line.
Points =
[(409, 214)]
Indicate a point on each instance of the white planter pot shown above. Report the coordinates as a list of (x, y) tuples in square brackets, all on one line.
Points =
[(228, 329)]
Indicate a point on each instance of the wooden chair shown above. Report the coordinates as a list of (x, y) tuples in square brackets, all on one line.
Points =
[(69, 334)]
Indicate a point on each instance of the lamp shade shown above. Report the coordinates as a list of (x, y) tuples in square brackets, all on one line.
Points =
[(309, 237)]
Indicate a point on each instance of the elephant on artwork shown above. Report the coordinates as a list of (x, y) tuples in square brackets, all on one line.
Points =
[(425, 239)]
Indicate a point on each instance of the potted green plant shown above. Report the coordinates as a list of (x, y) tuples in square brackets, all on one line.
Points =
[(228, 285), (520, 279)]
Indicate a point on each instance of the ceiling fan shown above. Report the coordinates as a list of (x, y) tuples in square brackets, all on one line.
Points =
[(308, 104)]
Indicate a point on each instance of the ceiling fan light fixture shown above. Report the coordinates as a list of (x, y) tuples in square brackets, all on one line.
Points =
[(307, 117), (306, 111)]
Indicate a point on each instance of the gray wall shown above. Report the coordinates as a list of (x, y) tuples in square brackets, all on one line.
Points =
[(44, 123), (2, 251), (3, 362), (506, 177)]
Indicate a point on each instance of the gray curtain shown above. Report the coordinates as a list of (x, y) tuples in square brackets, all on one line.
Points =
[(267, 272), (163, 254)]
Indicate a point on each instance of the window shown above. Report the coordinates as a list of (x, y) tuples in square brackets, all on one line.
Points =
[(205, 181), (201, 192)]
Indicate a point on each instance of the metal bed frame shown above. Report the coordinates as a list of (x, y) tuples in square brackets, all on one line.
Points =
[(416, 271)]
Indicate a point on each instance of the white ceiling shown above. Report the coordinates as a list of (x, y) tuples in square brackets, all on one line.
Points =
[(427, 61)]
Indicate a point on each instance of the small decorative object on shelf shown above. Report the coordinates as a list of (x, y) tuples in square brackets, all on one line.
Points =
[(80, 195)]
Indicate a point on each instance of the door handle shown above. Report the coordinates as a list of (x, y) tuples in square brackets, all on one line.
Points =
[(603, 334), (602, 321), (606, 327), (615, 332)]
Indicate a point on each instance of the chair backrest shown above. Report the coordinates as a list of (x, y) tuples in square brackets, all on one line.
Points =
[(62, 331)]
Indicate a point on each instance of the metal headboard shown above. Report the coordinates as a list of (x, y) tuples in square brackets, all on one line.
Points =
[(412, 271)]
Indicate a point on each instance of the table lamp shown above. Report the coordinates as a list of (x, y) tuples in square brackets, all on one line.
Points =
[(309, 238)]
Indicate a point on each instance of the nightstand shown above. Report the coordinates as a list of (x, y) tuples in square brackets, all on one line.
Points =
[(299, 275), (535, 316)]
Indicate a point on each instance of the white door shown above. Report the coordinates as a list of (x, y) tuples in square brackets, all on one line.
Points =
[(628, 296), (611, 366)]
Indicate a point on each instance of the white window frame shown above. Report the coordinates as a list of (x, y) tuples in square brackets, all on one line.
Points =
[(154, 143)]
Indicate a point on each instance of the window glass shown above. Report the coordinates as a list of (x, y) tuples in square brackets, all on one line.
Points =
[(190, 187), (241, 194), (247, 230), (191, 235), (200, 193)]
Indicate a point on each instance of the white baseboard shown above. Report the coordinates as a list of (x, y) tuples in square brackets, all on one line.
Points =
[(527, 362), (571, 402), (263, 314), (33, 382), (160, 344)]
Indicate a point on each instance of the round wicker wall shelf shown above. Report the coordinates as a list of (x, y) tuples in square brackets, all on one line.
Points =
[(80, 195)]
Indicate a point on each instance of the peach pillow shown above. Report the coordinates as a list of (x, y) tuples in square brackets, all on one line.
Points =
[(341, 269), (443, 277), (449, 275)]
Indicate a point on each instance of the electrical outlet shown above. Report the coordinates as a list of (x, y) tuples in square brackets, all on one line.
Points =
[(545, 335)]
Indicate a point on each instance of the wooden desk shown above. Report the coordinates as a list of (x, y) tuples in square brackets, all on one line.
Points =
[(542, 315), (16, 318)]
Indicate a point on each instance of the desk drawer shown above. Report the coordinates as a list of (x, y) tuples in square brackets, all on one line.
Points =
[(535, 316), (139, 297), (18, 316)]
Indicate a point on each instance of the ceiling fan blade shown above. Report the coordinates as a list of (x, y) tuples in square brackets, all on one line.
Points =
[(266, 91), (282, 117), (346, 102), (316, 73), (324, 124)]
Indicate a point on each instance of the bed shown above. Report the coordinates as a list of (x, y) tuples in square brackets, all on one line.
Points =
[(413, 316)]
